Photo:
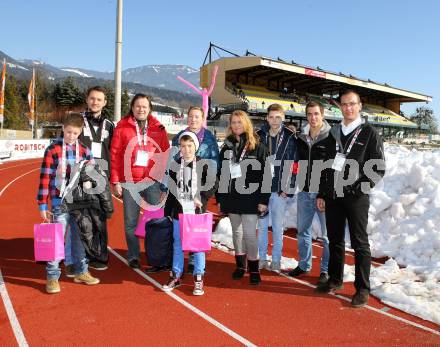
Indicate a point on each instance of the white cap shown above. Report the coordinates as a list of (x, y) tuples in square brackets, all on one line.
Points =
[(193, 136)]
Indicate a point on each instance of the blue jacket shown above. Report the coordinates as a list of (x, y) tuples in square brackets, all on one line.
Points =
[(287, 151), (208, 148)]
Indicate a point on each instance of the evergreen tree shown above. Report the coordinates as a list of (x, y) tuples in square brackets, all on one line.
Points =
[(425, 119), (14, 117), (125, 103), (108, 110)]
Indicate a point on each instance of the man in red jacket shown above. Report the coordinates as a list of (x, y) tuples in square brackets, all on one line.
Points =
[(139, 152)]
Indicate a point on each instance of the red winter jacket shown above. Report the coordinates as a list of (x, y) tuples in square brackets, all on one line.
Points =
[(125, 145)]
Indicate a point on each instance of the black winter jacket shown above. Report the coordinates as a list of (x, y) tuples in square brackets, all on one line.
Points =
[(368, 145), (89, 209), (231, 200), (106, 128), (287, 152), (310, 151), (206, 177)]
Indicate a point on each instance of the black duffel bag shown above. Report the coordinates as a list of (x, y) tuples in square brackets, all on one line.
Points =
[(159, 242)]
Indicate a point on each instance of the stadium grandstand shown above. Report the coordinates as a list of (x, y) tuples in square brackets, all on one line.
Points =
[(252, 83)]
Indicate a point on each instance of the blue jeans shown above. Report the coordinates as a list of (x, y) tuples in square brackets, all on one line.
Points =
[(68, 259), (199, 257), (77, 248), (132, 208), (277, 209), (306, 212)]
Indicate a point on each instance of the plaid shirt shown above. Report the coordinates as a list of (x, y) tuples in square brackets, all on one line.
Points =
[(49, 180)]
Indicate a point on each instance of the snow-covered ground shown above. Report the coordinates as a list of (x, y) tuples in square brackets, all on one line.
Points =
[(404, 225)]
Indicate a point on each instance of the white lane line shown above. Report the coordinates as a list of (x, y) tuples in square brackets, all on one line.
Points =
[(10, 167), (16, 328), (192, 308), (17, 178), (381, 311)]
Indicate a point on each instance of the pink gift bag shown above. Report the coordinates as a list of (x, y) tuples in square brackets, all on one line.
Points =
[(48, 242), (195, 232), (146, 217)]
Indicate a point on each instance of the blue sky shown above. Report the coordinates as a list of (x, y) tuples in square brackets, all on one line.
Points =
[(391, 41)]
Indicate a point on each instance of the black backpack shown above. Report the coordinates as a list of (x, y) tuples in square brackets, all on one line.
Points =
[(159, 242)]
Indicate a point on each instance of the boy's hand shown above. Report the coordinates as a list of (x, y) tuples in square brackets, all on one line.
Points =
[(45, 215), (197, 203)]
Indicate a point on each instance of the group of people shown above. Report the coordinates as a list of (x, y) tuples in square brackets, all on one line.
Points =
[(329, 169)]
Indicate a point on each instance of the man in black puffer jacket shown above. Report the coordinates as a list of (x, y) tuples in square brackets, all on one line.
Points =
[(355, 150), (89, 201)]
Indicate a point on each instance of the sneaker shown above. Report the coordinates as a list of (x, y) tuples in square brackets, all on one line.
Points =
[(238, 273), (70, 270), (97, 266), (134, 263), (172, 283), (198, 285), (190, 269), (52, 286), (86, 278), (154, 269), (360, 298), (297, 272), (275, 266), (323, 278), (329, 287), (263, 264)]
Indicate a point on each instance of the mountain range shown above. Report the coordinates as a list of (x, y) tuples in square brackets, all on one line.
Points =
[(157, 76)]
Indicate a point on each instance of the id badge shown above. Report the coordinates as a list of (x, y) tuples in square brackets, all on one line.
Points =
[(272, 165), (339, 161), (97, 149), (235, 171), (141, 158), (188, 206)]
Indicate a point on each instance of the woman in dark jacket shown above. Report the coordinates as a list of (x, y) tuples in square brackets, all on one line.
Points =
[(243, 192)]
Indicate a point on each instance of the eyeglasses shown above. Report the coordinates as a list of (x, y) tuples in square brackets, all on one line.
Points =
[(349, 104)]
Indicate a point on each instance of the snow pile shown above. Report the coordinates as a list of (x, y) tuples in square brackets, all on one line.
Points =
[(404, 225)]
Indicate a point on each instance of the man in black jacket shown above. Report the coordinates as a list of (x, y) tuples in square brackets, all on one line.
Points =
[(97, 136), (355, 151)]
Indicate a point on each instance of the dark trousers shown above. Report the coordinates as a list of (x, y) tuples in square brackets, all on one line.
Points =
[(354, 209)]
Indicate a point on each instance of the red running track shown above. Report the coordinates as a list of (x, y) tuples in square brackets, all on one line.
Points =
[(127, 308)]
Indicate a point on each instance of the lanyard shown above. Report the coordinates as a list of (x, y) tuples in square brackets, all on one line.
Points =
[(89, 132), (64, 164), (142, 141), (181, 181), (351, 143), (279, 140), (241, 156)]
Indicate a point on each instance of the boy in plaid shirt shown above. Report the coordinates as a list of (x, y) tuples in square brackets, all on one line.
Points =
[(58, 163)]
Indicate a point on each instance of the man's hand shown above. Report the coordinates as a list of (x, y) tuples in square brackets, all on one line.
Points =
[(117, 190), (197, 203), (262, 208), (320, 204), (283, 195)]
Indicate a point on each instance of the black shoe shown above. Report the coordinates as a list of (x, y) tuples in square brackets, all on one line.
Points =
[(254, 273), (154, 269), (173, 282), (134, 263), (190, 269), (70, 271), (329, 287), (360, 298), (240, 261), (297, 272), (323, 278), (97, 266)]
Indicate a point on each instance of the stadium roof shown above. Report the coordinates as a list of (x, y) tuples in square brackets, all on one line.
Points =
[(269, 72)]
